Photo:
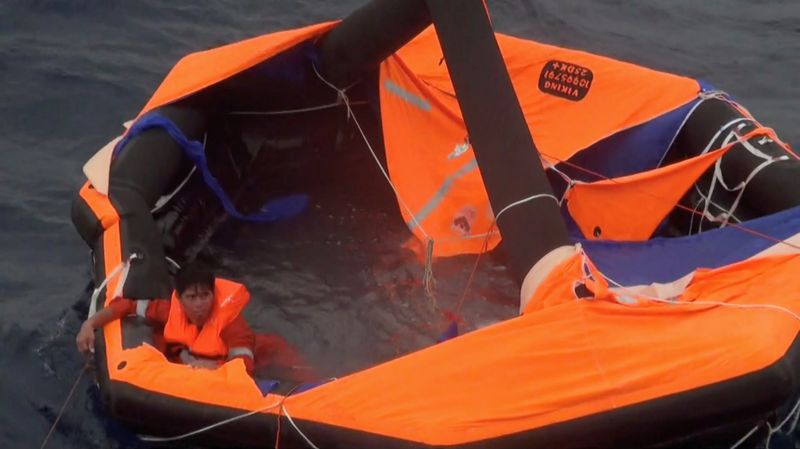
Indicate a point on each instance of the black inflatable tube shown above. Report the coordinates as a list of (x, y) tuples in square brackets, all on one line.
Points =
[(504, 148), (368, 36), (148, 166), (769, 190)]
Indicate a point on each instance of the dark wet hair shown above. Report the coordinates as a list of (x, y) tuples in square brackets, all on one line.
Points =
[(193, 274)]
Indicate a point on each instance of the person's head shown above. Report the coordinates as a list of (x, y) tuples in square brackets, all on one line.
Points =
[(194, 286)]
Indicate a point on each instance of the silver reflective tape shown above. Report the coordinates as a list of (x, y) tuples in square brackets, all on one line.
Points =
[(407, 96), (141, 307), (437, 197), (237, 351)]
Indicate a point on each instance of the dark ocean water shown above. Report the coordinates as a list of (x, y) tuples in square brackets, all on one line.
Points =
[(71, 71)]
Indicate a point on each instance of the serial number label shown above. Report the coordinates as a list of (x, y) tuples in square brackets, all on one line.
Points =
[(565, 80)]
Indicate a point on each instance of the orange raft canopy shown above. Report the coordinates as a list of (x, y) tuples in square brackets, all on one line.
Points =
[(629, 339)]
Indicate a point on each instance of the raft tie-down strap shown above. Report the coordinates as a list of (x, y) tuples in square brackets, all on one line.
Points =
[(195, 151), (121, 269)]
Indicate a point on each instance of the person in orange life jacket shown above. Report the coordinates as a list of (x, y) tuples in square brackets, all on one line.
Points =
[(202, 323)]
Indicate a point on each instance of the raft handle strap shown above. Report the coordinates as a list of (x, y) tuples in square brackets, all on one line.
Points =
[(123, 269)]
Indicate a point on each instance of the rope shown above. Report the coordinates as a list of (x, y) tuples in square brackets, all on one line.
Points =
[(429, 280), (739, 227), (775, 307), (745, 437), (346, 101), (794, 414), (64, 406), (296, 111), (279, 403), (485, 246), (291, 421), (210, 427)]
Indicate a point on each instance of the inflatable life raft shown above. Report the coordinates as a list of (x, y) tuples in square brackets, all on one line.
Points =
[(658, 260)]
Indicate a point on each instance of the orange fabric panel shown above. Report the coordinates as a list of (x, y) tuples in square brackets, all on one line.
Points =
[(568, 359), (100, 205), (227, 386), (434, 170), (563, 359), (427, 148), (620, 95), (631, 207), (202, 69)]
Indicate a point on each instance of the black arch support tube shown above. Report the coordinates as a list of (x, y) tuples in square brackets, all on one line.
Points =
[(146, 168), (368, 36), (506, 155)]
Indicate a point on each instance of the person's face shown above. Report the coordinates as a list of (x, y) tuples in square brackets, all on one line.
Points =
[(197, 301)]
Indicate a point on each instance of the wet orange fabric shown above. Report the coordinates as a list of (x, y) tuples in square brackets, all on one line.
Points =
[(230, 299), (632, 207), (562, 359), (570, 99), (569, 358), (202, 69), (437, 176)]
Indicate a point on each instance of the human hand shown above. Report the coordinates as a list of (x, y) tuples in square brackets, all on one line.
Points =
[(85, 339)]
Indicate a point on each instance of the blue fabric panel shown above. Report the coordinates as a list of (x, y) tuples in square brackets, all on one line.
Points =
[(631, 151), (449, 333), (267, 386), (666, 259)]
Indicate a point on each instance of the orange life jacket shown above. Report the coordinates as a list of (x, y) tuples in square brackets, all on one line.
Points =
[(229, 300)]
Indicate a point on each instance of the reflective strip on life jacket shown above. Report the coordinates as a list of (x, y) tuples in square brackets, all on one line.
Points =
[(238, 351), (141, 307), (229, 300)]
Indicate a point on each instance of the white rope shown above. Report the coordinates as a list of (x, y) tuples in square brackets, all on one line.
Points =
[(525, 200), (699, 204), (280, 403), (123, 268), (680, 128), (291, 421), (794, 413), (295, 111), (570, 182), (775, 307), (343, 97), (428, 280), (733, 138), (745, 437), (173, 263), (209, 427)]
